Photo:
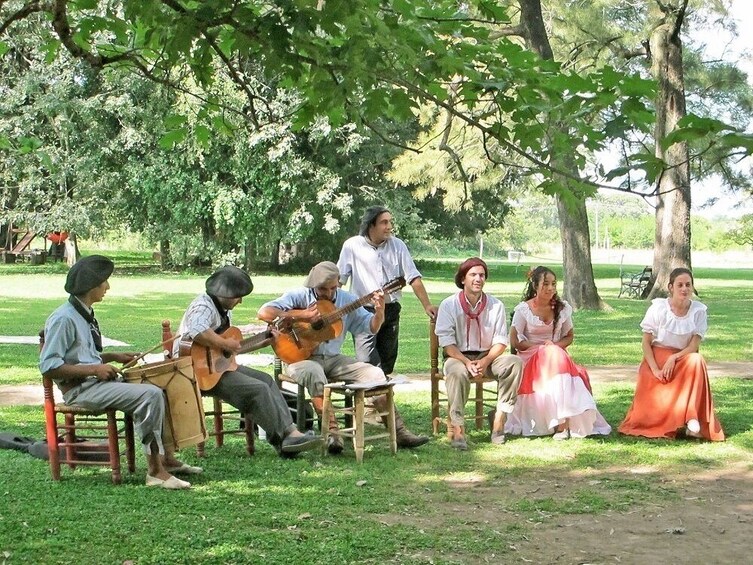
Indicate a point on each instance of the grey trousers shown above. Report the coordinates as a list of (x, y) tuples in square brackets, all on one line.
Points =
[(317, 371), (507, 369), (144, 402), (256, 393)]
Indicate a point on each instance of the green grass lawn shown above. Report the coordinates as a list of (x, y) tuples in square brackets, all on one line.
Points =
[(431, 505)]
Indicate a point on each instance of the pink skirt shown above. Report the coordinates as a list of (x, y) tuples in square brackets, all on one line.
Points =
[(555, 389)]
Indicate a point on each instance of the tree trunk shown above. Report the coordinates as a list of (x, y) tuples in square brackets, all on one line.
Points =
[(274, 259), (672, 235), (249, 254), (579, 285), (164, 254)]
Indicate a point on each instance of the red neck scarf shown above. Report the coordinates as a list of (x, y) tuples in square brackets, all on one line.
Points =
[(470, 315)]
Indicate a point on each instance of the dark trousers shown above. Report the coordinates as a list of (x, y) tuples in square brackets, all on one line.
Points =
[(256, 393), (380, 349)]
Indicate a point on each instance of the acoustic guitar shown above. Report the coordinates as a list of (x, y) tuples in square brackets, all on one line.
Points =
[(297, 340), (209, 363)]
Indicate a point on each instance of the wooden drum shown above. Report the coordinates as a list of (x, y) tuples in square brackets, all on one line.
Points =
[(184, 409)]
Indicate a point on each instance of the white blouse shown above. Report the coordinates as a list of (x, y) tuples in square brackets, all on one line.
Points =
[(670, 330), (532, 328)]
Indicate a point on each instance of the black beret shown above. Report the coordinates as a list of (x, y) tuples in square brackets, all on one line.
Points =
[(88, 273), (229, 282)]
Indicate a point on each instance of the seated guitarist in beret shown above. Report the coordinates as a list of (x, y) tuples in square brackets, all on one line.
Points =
[(327, 364), (250, 391)]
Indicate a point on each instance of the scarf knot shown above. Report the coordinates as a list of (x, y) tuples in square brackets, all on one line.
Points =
[(472, 315)]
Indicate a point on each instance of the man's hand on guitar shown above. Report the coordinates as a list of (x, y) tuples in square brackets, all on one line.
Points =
[(377, 299), (231, 345), (310, 314)]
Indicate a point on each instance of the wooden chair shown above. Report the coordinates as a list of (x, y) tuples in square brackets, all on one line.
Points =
[(219, 413), (357, 393), (77, 439), (483, 397), (297, 401)]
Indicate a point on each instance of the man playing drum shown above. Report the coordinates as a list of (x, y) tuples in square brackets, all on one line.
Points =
[(250, 391), (72, 357)]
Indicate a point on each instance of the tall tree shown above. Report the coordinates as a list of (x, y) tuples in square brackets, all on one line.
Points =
[(653, 38), (673, 196), (579, 284)]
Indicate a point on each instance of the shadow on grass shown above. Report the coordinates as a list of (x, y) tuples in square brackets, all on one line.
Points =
[(266, 509)]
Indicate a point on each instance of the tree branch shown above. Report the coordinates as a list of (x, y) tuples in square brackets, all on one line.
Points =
[(27, 10)]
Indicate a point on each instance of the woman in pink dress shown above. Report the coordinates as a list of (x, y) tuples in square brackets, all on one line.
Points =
[(672, 394), (555, 394)]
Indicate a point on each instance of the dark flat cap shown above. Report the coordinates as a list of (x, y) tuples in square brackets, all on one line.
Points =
[(229, 282), (88, 273)]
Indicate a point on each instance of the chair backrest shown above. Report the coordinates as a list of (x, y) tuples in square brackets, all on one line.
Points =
[(433, 349), (646, 274), (46, 381), (168, 338)]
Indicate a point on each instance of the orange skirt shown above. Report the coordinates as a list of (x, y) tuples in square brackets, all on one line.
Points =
[(660, 409)]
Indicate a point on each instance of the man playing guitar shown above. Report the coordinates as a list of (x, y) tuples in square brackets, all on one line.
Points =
[(327, 363), (206, 322)]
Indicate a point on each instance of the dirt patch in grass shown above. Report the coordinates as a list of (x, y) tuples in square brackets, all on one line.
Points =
[(623, 515)]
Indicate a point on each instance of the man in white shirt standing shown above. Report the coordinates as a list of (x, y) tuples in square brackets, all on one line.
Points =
[(372, 259), (472, 330)]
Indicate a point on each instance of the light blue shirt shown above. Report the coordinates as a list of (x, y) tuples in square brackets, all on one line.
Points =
[(67, 341), (356, 322)]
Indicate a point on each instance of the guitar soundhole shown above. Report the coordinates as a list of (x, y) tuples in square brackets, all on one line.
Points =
[(318, 325)]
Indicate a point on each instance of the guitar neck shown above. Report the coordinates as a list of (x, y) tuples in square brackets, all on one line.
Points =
[(394, 284), (347, 309), (249, 343)]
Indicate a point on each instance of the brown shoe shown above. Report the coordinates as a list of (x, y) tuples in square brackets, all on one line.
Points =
[(406, 438)]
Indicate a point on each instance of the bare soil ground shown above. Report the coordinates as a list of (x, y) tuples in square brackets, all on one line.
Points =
[(711, 522), (708, 519)]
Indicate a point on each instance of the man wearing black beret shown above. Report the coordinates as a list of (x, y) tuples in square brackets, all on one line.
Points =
[(72, 357), (250, 391)]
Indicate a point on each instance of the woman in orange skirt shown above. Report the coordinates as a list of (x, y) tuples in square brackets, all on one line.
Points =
[(672, 394)]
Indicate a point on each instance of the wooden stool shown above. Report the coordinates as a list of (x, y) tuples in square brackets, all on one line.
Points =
[(358, 393)]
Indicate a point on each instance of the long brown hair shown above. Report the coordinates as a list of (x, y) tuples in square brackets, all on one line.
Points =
[(535, 276)]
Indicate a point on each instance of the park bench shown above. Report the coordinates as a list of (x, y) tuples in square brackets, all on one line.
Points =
[(634, 284)]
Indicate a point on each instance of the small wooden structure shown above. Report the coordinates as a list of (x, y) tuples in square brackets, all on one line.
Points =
[(18, 244)]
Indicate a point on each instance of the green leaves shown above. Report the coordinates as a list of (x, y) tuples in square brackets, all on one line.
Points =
[(692, 127)]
